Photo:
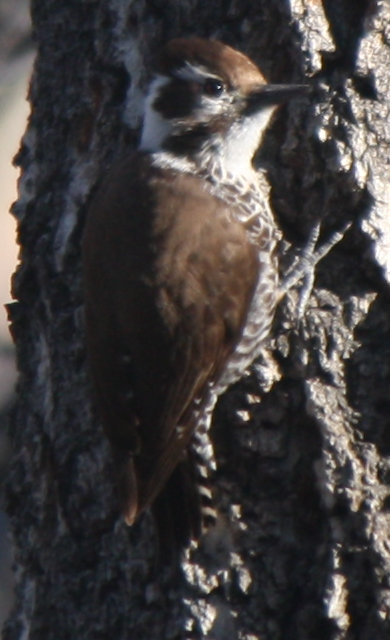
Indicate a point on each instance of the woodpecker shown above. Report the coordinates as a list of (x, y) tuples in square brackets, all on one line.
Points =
[(180, 271)]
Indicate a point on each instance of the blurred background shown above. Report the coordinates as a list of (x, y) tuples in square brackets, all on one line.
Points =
[(16, 57)]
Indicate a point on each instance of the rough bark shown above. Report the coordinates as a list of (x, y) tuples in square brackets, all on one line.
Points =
[(302, 443)]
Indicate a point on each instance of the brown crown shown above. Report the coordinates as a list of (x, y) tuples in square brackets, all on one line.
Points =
[(233, 67)]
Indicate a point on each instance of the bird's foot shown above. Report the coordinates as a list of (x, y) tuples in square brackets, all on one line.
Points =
[(303, 267)]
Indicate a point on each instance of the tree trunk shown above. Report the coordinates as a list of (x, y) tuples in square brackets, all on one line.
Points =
[(302, 442)]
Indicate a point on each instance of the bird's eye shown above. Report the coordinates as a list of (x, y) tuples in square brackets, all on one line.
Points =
[(213, 87)]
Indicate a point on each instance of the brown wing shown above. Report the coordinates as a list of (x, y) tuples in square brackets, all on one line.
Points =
[(169, 277)]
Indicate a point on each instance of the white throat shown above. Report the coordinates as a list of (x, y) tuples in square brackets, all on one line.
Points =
[(234, 150)]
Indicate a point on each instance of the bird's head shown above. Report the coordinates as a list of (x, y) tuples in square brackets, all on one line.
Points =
[(209, 100)]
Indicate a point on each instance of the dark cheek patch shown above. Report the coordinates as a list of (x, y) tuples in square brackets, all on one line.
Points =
[(189, 141), (177, 100)]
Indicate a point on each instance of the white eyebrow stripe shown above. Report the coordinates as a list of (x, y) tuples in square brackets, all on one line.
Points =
[(194, 72)]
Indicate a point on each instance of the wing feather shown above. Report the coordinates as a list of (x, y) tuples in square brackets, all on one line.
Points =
[(173, 274)]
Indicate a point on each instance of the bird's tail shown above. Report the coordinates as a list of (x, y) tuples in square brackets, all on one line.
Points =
[(177, 511), (201, 452), (184, 508), (126, 482)]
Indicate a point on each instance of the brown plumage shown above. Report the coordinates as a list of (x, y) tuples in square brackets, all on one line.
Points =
[(180, 273), (175, 309)]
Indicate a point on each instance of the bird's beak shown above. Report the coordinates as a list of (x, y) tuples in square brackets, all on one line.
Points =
[(273, 94)]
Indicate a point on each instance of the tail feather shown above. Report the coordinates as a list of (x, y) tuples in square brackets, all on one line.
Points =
[(184, 507), (177, 512), (201, 452), (126, 481)]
